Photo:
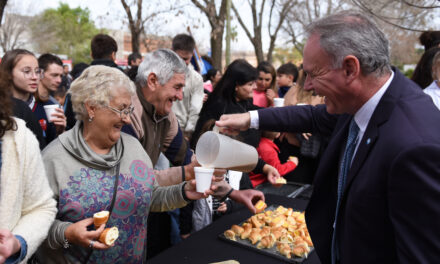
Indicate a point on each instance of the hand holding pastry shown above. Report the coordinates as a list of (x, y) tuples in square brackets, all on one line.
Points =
[(78, 234)]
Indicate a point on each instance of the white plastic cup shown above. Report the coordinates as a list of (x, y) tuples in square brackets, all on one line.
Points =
[(278, 102), (50, 109), (215, 150), (203, 178)]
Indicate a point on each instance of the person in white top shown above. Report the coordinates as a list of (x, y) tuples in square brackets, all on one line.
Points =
[(433, 89)]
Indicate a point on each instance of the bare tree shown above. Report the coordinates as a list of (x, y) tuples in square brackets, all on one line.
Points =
[(278, 12), (217, 23), (410, 15), (304, 13), (138, 18), (12, 30)]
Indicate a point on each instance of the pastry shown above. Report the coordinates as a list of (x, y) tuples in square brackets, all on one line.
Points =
[(280, 180), (109, 236), (100, 218), (260, 206), (229, 234), (284, 249), (237, 229)]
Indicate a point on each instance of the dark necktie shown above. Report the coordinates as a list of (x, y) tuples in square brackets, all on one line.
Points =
[(345, 166)]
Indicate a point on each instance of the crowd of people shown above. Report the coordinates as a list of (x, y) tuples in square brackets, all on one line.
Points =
[(124, 140)]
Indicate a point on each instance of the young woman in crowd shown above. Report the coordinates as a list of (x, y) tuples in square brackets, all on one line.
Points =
[(24, 75), (266, 85), (26, 206), (95, 167)]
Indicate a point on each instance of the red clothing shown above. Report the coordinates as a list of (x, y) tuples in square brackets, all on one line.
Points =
[(268, 151), (260, 98)]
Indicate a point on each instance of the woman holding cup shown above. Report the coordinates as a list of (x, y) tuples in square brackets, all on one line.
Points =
[(24, 76), (94, 167)]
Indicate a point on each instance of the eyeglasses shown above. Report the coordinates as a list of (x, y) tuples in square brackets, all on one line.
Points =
[(124, 112), (28, 73)]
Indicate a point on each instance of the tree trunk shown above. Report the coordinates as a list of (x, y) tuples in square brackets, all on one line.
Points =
[(135, 41), (2, 8), (217, 47), (258, 46)]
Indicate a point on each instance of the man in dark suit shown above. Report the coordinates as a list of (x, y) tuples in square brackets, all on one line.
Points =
[(377, 188)]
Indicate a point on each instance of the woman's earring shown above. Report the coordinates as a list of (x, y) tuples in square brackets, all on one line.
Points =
[(90, 118)]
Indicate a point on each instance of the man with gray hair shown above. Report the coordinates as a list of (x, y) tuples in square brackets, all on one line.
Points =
[(160, 80), (377, 188)]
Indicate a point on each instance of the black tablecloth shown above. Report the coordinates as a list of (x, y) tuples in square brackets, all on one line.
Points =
[(205, 246)]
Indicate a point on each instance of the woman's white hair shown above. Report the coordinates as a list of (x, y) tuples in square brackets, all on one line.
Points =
[(164, 63), (96, 86)]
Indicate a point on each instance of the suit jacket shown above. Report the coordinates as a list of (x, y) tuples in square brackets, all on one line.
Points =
[(390, 209)]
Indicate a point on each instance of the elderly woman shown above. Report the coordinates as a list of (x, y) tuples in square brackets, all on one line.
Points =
[(95, 167), (26, 206)]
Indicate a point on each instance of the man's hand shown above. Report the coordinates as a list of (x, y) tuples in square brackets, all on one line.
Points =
[(232, 124), (9, 245), (247, 197)]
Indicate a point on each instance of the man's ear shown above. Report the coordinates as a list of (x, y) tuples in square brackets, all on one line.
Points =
[(113, 56), (152, 81), (351, 67)]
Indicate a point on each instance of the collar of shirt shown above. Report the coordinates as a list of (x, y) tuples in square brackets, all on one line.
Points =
[(363, 115)]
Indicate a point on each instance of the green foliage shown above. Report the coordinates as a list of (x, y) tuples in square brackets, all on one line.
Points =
[(409, 73), (284, 55), (64, 30)]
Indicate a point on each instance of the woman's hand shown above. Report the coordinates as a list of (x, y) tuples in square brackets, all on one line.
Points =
[(272, 175), (270, 95), (9, 245), (59, 120), (77, 234), (192, 194)]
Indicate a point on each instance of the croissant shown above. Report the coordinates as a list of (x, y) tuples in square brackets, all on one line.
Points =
[(246, 233), (284, 249), (265, 231), (255, 236), (229, 234), (267, 241), (237, 229), (255, 222)]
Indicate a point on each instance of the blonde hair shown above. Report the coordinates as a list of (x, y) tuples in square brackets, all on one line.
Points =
[(297, 94), (95, 86)]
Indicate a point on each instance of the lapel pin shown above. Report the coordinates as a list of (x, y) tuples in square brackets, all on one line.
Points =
[(368, 141)]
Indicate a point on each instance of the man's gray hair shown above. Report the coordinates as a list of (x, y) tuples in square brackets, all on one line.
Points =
[(352, 33), (96, 86), (164, 63)]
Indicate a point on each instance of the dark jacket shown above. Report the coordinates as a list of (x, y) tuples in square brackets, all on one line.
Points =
[(22, 111), (389, 209)]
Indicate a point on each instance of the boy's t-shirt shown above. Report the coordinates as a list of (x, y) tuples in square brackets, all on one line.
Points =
[(283, 90)]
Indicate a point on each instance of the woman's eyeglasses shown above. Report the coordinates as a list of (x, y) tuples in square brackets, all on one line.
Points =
[(29, 73), (124, 112)]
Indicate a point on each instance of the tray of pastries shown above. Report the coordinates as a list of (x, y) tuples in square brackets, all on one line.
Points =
[(276, 231)]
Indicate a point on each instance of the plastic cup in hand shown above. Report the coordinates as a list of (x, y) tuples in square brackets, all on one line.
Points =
[(278, 102), (203, 178), (214, 150), (50, 109)]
